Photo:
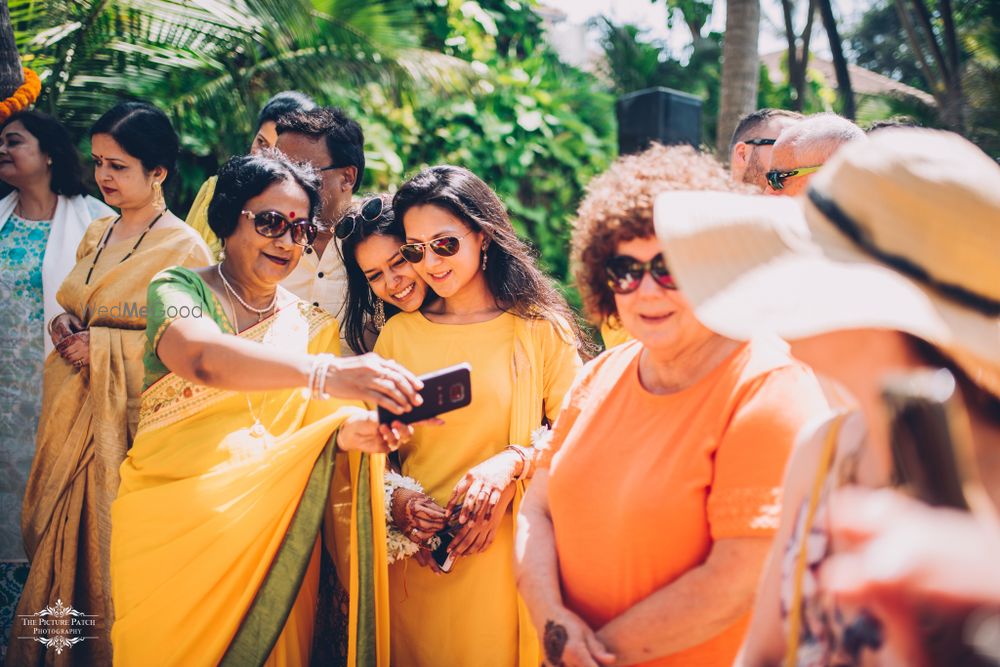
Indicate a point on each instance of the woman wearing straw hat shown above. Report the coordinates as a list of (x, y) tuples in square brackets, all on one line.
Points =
[(893, 247), (642, 540)]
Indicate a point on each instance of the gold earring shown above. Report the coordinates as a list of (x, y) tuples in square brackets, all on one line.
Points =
[(222, 254), (379, 314), (158, 202)]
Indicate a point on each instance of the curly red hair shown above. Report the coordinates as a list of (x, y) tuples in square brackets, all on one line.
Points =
[(618, 207)]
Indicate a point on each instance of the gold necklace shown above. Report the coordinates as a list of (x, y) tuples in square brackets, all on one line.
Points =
[(257, 430), (19, 211)]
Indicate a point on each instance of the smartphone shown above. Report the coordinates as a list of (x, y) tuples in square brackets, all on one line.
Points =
[(441, 556), (930, 439), (444, 390)]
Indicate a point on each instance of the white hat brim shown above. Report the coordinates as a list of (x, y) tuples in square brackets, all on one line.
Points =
[(756, 264)]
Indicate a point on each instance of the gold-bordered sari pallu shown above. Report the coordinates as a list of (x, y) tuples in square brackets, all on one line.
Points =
[(216, 532)]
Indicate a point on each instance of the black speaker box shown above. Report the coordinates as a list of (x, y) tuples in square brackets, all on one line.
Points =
[(657, 114)]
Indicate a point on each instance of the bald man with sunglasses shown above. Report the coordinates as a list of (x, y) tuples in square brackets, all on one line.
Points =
[(801, 150)]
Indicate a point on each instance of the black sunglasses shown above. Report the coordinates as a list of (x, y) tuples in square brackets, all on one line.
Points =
[(625, 273), (273, 225), (444, 246), (370, 212), (760, 142)]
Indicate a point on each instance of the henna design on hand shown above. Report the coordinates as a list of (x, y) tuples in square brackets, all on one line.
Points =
[(555, 642)]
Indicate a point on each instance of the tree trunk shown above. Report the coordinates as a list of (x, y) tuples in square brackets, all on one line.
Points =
[(791, 36), (800, 82), (946, 88), (839, 62), (740, 65), (798, 60), (11, 74)]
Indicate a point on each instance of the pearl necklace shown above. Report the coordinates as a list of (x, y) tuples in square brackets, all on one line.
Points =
[(229, 289), (257, 430)]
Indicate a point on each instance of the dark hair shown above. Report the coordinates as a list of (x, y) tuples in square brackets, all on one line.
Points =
[(755, 119), (144, 132), (54, 141), (359, 307), (244, 177), (516, 283), (345, 142), (282, 104), (977, 399)]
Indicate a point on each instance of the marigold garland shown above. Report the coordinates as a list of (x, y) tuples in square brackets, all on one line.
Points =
[(23, 97)]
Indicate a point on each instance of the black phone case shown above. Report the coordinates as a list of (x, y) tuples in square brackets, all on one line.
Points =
[(444, 390)]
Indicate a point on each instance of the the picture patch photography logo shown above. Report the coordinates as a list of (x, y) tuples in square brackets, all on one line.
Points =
[(57, 627)]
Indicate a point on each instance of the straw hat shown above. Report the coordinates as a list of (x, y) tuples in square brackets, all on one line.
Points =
[(899, 232)]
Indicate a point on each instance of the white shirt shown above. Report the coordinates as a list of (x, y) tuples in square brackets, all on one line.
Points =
[(321, 282)]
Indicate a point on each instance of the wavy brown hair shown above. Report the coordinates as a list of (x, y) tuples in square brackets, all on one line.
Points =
[(618, 207), (514, 279)]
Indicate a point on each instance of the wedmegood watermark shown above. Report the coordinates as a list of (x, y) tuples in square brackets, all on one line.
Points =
[(135, 310)]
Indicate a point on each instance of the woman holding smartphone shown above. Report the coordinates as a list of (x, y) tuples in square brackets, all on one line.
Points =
[(499, 313)]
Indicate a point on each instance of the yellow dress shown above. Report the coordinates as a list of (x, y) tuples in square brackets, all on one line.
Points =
[(216, 543), (87, 423), (520, 371), (613, 336), (197, 217)]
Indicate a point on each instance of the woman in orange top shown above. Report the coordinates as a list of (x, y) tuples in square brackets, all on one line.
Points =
[(643, 540)]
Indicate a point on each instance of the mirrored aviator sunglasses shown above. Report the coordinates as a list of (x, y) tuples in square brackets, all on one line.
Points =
[(370, 212), (273, 225), (625, 273), (444, 246)]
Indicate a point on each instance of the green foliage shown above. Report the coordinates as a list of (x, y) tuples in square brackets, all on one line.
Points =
[(533, 128), (879, 43), (431, 81), (819, 93), (211, 64)]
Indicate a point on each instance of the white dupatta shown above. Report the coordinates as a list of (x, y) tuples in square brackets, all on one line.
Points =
[(69, 224)]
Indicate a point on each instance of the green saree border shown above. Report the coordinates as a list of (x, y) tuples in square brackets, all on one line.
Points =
[(270, 608), (367, 653)]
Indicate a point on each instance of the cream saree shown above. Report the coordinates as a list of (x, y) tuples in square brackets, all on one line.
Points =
[(217, 531), (87, 422)]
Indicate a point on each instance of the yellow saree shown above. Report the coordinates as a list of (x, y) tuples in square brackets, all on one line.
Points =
[(88, 419), (217, 531)]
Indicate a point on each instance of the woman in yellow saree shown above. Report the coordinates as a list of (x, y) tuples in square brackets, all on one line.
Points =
[(92, 381), (216, 535)]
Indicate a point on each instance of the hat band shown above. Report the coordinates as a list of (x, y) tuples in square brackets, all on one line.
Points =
[(984, 304)]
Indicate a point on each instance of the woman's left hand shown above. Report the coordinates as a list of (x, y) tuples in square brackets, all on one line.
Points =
[(477, 534), (75, 349)]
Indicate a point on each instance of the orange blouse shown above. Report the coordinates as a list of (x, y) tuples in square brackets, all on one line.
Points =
[(642, 484)]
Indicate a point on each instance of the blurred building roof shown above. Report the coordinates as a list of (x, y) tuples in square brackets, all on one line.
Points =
[(864, 81)]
